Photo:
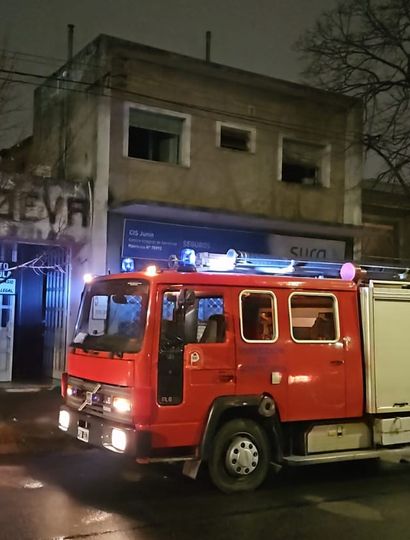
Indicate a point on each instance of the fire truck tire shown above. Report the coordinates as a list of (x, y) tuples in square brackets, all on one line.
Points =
[(240, 456)]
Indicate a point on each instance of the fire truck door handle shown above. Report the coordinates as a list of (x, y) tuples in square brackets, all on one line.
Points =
[(337, 362), (226, 377)]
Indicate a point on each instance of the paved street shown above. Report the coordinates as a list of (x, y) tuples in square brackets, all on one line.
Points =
[(90, 493)]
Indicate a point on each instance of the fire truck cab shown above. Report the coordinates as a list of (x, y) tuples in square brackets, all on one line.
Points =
[(240, 370)]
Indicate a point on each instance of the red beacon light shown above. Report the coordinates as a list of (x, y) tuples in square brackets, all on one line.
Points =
[(350, 272)]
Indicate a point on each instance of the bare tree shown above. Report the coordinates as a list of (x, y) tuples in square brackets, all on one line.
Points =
[(362, 48)]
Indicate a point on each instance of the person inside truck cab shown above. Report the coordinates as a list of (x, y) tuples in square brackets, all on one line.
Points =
[(265, 324), (323, 328)]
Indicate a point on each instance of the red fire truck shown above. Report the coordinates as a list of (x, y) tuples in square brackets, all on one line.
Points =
[(240, 365)]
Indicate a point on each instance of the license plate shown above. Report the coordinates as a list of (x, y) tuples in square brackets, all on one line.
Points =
[(82, 434)]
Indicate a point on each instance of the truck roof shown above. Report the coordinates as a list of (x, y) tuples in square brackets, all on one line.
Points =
[(173, 277)]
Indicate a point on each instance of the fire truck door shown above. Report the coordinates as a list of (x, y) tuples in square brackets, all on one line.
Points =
[(196, 358), (316, 358)]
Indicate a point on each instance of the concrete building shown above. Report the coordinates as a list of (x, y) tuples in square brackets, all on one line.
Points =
[(386, 224), (171, 139), (177, 152)]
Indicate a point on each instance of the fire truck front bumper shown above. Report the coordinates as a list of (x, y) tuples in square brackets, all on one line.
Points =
[(97, 431)]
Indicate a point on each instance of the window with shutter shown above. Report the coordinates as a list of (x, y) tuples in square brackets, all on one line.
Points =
[(155, 136)]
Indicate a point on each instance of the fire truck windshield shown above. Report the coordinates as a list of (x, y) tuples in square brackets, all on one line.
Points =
[(112, 316)]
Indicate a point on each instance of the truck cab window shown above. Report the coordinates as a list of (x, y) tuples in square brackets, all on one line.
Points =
[(112, 316), (313, 317), (202, 322), (258, 316)]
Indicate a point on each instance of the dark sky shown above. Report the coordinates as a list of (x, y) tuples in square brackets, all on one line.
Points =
[(252, 35)]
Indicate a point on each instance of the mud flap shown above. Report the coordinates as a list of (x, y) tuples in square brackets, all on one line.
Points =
[(191, 468)]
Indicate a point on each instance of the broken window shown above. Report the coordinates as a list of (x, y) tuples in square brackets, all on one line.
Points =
[(303, 163)]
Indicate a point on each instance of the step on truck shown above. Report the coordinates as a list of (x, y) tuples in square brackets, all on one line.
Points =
[(242, 362)]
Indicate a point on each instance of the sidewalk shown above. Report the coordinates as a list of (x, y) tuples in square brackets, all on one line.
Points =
[(29, 417)]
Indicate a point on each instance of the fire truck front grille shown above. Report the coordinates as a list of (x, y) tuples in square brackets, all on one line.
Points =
[(97, 399)]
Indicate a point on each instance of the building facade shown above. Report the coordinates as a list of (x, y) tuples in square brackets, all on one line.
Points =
[(44, 222)]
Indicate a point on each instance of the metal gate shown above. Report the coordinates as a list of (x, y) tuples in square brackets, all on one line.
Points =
[(56, 311)]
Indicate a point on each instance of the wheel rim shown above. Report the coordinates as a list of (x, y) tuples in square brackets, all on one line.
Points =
[(242, 456)]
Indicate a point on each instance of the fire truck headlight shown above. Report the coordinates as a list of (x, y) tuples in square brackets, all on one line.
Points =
[(64, 420), (119, 439), (121, 405), (69, 390)]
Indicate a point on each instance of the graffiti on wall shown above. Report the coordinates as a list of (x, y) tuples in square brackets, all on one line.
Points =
[(35, 208)]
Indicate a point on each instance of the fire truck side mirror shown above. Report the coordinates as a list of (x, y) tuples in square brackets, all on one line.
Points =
[(187, 315), (187, 298)]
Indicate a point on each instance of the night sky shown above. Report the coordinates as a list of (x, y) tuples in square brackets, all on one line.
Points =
[(252, 35)]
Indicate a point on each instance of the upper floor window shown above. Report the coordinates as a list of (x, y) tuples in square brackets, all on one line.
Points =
[(258, 316), (235, 137), (305, 163), (158, 135), (314, 317)]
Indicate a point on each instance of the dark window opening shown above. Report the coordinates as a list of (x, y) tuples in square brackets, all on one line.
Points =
[(302, 162), (235, 139), (153, 145), (300, 174), (154, 137)]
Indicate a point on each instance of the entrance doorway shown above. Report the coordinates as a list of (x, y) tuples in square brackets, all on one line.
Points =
[(41, 309)]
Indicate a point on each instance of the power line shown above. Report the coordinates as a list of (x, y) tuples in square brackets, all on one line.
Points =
[(44, 77), (43, 60), (102, 87), (32, 55)]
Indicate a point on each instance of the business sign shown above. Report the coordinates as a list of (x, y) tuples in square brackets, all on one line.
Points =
[(156, 242), (5, 271), (8, 286), (306, 249)]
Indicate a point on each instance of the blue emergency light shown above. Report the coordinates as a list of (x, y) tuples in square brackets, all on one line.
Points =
[(127, 265)]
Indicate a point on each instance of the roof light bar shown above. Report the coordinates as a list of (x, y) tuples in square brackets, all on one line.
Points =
[(242, 262)]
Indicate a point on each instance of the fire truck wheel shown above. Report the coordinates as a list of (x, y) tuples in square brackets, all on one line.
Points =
[(240, 456)]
